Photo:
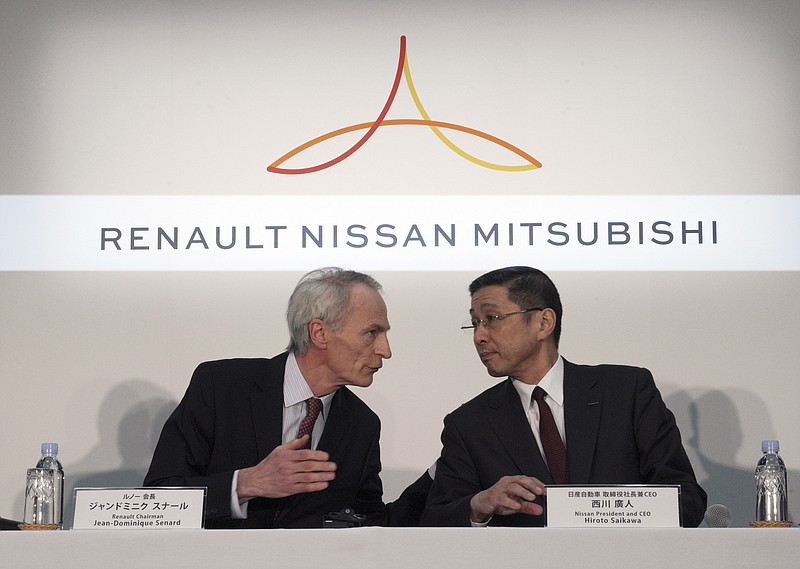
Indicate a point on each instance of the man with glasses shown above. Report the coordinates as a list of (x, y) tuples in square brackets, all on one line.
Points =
[(550, 421)]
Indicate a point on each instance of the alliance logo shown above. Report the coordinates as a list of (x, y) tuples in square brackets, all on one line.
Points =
[(403, 70)]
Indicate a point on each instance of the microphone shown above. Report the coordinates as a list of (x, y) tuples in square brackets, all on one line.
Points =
[(718, 516)]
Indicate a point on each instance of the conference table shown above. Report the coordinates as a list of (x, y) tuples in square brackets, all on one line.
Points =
[(403, 548)]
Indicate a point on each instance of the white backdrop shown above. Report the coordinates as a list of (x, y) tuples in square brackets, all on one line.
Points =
[(619, 101)]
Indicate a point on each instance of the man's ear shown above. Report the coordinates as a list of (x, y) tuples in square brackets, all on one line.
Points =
[(547, 323), (318, 333)]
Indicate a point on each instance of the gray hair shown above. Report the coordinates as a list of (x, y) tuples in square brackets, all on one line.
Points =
[(324, 294)]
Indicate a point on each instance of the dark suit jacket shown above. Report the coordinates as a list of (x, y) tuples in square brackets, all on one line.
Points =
[(618, 431), (231, 418)]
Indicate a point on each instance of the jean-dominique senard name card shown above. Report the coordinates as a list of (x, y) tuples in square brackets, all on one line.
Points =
[(139, 508), (572, 506)]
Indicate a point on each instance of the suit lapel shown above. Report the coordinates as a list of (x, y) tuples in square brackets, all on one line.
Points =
[(582, 410), (512, 428), (266, 406), (337, 423)]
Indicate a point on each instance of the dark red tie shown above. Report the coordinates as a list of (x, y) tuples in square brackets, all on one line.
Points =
[(552, 444), (307, 424)]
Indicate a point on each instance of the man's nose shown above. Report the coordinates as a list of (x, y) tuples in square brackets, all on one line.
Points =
[(382, 347), (481, 333)]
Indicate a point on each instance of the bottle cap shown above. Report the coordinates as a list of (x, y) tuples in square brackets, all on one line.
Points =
[(50, 448), (770, 445)]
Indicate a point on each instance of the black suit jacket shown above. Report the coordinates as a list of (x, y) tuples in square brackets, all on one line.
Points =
[(231, 418), (618, 431)]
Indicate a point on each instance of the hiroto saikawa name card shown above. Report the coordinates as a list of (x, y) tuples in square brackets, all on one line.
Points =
[(571, 506)]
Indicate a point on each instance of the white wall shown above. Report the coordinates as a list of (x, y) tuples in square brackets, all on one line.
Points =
[(191, 99)]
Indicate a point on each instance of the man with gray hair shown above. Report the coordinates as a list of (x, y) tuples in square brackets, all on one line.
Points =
[(281, 442)]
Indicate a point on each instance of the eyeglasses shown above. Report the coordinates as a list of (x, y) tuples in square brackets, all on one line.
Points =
[(492, 321)]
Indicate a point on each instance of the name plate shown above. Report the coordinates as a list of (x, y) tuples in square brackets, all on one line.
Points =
[(617, 506), (139, 508)]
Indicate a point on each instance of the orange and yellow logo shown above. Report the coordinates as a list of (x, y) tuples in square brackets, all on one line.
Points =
[(404, 70)]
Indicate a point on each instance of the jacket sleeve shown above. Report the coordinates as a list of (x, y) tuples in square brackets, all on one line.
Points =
[(183, 452), (662, 458), (369, 495), (407, 510), (455, 482)]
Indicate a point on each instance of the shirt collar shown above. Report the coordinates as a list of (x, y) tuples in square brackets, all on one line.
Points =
[(552, 383), (296, 389)]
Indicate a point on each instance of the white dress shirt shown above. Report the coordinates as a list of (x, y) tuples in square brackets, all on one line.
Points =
[(295, 393), (553, 384)]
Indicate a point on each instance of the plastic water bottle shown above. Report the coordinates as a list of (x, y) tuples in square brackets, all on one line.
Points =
[(50, 460), (771, 487)]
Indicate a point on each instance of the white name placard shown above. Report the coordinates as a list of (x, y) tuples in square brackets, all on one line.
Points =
[(139, 508), (616, 506)]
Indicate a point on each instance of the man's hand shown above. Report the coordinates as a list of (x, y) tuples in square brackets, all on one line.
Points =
[(509, 495), (288, 469)]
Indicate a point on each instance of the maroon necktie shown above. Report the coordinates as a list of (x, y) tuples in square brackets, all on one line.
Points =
[(551, 441), (307, 424)]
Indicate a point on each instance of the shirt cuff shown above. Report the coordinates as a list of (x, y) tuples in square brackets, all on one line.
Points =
[(238, 511)]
